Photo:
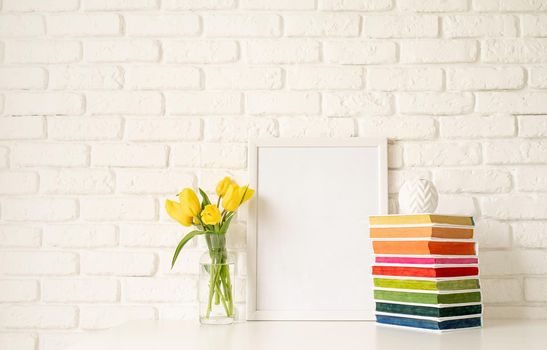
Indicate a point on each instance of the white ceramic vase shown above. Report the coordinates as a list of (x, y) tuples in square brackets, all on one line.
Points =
[(418, 196)]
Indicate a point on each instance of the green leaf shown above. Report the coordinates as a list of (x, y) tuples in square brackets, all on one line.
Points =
[(226, 224), (206, 200), (183, 242)]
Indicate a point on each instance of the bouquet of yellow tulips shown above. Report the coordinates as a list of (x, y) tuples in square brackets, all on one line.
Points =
[(210, 221)]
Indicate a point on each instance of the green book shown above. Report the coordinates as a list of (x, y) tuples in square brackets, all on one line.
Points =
[(427, 285), (428, 298)]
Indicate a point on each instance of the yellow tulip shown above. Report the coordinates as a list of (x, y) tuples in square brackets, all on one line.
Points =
[(189, 202), (235, 196), (223, 186), (210, 215), (174, 209)]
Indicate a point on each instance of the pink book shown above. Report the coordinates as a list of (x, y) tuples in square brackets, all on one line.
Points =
[(424, 261)]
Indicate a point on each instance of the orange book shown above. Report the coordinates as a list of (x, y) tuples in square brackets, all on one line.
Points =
[(423, 247), (424, 231)]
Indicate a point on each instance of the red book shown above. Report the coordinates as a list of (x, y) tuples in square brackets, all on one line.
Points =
[(425, 271)]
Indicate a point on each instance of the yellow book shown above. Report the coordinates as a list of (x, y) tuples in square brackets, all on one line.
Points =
[(416, 219)]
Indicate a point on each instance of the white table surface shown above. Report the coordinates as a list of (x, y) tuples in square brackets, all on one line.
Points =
[(266, 335)]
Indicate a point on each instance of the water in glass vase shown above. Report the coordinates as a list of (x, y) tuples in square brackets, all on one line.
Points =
[(216, 282)]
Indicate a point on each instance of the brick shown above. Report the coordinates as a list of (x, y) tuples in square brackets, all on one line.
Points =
[(129, 50), (80, 290), (38, 316), (473, 181), (445, 103), (153, 235), (118, 208), (534, 25), (351, 103), (296, 127), (42, 51), (161, 290), (124, 102), (178, 312), (503, 290), (187, 263), (358, 5), (13, 128), (118, 263), (530, 262), (404, 79), (19, 341), (283, 51), (277, 5), (4, 157), (61, 340), (215, 155), (18, 290), (485, 78), (162, 77), (516, 152), (436, 154), (532, 125), (509, 5), (242, 25), (121, 5), (21, 26), (532, 179), (468, 26), (76, 181), (407, 26), (108, 316), (43, 103), (83, 128), (39, 5), (164, 129), (84, 25), (38, 263), (495, 263), (322, 24), (433, 5), (457, 205), (39, 209), (397, 128), (283, 103), (538, 77), (18, 182), (58, 154), (85, 78), (438, 51), (530, 234), (200, 51), (129, 155), (360, 52), (515, 206), (238, 129), (239, 78), (17, 78), (194, 103), (492, 233), (325, 77), (19, 236), (185, 155), (535, 289), (162, 25), (477, 126), (198, 4), (514, 50), (80, 236), (512, 102), (165, 182)]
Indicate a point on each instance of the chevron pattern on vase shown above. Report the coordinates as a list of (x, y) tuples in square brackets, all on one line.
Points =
[(418, 196)]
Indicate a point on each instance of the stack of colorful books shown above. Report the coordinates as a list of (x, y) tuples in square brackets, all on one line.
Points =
[(426, 271)]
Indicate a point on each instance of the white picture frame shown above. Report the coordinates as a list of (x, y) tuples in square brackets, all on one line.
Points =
[(303, 263)]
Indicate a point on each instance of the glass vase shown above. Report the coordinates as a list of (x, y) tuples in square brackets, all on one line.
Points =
[(216, 283)]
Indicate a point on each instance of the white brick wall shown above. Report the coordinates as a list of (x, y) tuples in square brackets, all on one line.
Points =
[(109, 106)]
